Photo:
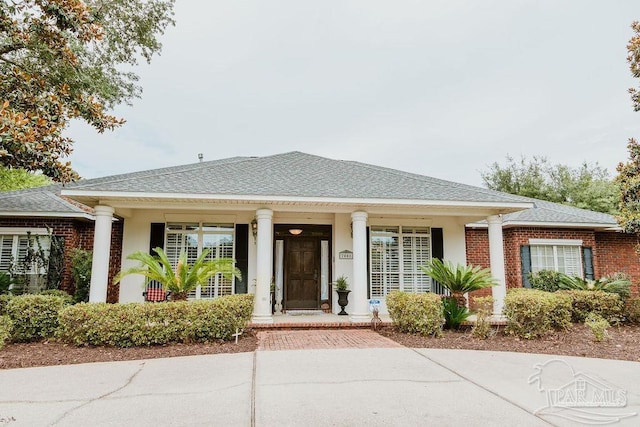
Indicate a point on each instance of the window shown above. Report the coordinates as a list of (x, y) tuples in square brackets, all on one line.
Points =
[(564, 256), (25, 255), (193, 238), (395, 258)]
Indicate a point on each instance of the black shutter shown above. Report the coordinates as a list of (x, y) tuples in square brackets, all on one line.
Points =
[(242, 257), (368, 263), (156, 239), (437, 244), (525, 258), (587, 262)]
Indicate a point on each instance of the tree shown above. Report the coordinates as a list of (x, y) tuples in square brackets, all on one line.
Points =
[(586, 187), (629, 182), (69, 59), (18, 179), (633, 58)]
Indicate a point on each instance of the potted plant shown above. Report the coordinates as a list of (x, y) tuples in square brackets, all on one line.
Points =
[(341, 285), (185, 277), (459, 279)]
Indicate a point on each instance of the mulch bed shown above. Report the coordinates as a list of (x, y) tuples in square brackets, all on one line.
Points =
[(623, 344)]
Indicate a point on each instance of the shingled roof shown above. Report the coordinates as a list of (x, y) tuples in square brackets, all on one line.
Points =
[(293, 174), (41, 201)]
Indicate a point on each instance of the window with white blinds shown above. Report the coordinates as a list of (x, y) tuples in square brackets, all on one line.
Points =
[(395, 258), (14, 248), (193, 238), (566, 259)]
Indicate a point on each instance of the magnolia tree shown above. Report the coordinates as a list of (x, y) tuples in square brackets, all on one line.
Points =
[(69, 59)]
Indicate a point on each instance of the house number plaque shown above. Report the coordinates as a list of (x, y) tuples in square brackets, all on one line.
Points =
[(345, 255)]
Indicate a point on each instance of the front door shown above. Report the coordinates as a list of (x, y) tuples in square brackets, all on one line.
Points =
[(302, 273)]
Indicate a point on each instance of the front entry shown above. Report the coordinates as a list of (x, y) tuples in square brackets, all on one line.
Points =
[(302, 267), (302, 273)]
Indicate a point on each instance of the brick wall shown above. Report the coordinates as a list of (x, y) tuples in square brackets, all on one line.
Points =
[(77, 233), (612, 252)]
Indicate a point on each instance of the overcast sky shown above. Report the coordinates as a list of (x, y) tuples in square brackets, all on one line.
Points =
[(440, 88)]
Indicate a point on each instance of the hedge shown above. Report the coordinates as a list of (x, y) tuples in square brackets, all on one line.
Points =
[(632, 310), (416, 313), (34, 317), (606, 304), (532, 313), (4, 300), (5, 329), (136, 324)]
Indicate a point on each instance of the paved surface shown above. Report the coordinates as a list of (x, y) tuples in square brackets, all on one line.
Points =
[(338, 387), (322, 339)]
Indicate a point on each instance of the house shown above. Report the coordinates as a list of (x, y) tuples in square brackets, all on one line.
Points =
[(299, 221)]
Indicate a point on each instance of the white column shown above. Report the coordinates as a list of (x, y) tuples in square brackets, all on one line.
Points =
[(358, 296), (264, 260), (496, 260), (101, 254)]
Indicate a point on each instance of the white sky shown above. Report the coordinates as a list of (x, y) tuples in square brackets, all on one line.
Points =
[(441, 88)]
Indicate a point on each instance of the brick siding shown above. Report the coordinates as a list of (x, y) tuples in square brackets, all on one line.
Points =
[(77, 233), (612, 252)]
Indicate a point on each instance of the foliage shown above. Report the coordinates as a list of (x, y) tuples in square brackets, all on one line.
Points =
[(454, 315), (81, 262), (545, 280), (342, 284), (55, 261), (628, 180), (631, 310), (36, 260), (135, 324), (19, 179), (4, 300), (459, 279), (532, 313), (34, 317), (484, 309), (69, 59), (5, 329), (587, 187), (605, 304), (186, 277), (5, 283), (598, 326), (616, 284), (68, 299), (633, 58), (416, 313)]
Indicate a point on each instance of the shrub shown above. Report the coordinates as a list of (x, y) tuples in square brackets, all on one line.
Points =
[(545, 280), (616, 284), (607, 305), (416, 313), (58, 293), (34, 317), (5, 329), (454, 315), (632, 310), (81, 271), (484, 310), (598, 326), (135, 324), (4, 300), (532, 313)]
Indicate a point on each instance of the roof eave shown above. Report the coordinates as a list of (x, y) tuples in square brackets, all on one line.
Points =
[(83, 215), (588, 225)]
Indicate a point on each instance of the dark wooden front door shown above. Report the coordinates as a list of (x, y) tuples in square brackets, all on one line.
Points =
[(302, 273)]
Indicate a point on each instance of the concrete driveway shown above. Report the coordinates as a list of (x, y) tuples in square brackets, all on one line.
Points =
[(337, 387)]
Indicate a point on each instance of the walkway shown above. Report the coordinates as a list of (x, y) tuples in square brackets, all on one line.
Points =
[(322, 339)]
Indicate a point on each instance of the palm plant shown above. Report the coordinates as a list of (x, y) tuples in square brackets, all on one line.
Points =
[(454, 314), (459, 279), (185, 277), (615, 284)]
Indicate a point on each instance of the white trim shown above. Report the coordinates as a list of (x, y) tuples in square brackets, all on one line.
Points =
[(271, 198), (220, 219), (606, 226), (23, 231), (555, 242), (51, 214)]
